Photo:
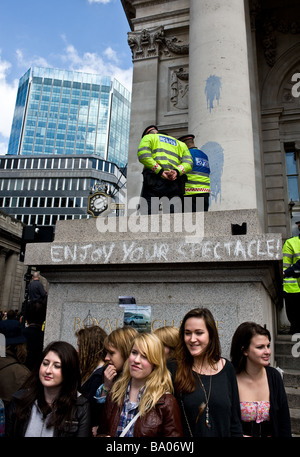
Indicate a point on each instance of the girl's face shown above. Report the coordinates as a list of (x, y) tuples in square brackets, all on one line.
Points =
[(259, 350), (139, 366), (50, 372), (114, 357), (196, 336)]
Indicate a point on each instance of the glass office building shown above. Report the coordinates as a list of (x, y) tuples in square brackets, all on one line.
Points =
[(70, 132), (68, 112)]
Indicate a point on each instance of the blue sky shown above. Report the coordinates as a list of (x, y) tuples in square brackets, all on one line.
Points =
[(82, 35)]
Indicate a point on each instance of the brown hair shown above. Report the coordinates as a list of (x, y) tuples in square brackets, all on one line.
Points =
[(121, 339), (184, 379), (169, 337), (241, 341), (91, 350)]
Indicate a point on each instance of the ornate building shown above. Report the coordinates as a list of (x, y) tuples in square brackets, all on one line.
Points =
[(11, 269), (228, 72)]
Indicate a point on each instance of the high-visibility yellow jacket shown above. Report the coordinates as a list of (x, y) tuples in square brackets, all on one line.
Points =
[(291, 253), (159, 152), (198, 180)]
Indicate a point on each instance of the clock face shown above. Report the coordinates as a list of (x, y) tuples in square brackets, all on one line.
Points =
[(98, 203)]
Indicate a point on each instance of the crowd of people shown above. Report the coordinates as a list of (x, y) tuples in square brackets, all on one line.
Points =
[(166, 383)]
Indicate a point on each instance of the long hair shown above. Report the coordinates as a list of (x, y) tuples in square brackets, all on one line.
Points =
[(241, 341), (184, 379), (91, 349), (62, 408), (121, 339), (157, 383)]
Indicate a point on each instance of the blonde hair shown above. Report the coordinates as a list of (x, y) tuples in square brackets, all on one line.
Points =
[(121, 339), (159, 381), (169, 337)]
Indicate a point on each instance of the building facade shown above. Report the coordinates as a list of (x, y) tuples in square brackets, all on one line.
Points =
[(69, 133), (42, 189), (12, 285), (229, 72), (68, 112)]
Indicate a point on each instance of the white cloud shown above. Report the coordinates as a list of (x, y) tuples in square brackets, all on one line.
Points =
[(111, 54), (91, 62), (34, 61), (8, 93), (104, 2)]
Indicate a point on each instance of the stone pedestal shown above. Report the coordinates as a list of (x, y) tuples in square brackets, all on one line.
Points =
[(163, 264)]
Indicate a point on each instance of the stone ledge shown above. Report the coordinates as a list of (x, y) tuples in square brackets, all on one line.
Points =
[(209, 224), (165, 250)]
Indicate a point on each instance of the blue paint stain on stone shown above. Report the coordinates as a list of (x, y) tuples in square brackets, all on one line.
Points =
[(212, 90), (215, 154)]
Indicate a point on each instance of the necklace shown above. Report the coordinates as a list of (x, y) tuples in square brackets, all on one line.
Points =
[(203, 405)]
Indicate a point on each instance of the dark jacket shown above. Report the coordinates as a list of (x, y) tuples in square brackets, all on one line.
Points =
[(89, 389), (13, 374), (36, 291), (279, 410), (80, 427), (162, 421)]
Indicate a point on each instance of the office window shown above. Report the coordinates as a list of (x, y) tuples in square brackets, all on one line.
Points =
[(292, 170)]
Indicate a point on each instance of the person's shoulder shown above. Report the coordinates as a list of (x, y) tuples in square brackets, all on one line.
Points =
[(274, 373), (292, 238), (200, 152), (167, 399), (81, 400), (227, 366)]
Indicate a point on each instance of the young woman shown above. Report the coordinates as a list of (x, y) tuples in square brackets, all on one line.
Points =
[(205, 383), (49, 405), (117, 346), (263, 402), (140, 403)]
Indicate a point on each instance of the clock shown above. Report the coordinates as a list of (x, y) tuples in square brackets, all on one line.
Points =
[(97, 203)]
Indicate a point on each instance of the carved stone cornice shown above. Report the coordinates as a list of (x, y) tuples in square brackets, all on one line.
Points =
[(153, 42), (270, 26)]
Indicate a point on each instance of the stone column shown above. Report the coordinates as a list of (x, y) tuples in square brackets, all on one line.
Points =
[(219, 100), (3, 254), (8, 281), (145, 53)]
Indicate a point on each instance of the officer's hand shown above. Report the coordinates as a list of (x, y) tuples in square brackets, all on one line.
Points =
[(165, 175), (171, 175)]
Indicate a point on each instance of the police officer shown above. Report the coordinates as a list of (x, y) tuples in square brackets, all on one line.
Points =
[(198, 180), (291, 289), (166, 161)]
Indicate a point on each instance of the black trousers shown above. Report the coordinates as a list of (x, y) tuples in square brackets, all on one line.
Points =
[(196, 202), (158, 192), (292, 306)]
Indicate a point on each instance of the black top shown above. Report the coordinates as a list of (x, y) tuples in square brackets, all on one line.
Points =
[(279, 410), (89, 389), (224, 405)]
